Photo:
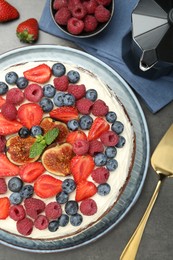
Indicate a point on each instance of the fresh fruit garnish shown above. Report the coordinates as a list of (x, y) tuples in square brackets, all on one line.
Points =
[(8, 12), (74, 136), (7, 168), (34, 207), (2, 101), (25, 226), (8, 127), (28, 30), (99, 126), (5, 207), (39, 74), (81, 166), (85, 190), (30, 114), (88, 207), (3, 186), (53, 210), (64, 113), (47, 186), (31, 171)]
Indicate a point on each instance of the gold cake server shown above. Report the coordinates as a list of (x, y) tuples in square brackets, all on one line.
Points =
[(162, 163)]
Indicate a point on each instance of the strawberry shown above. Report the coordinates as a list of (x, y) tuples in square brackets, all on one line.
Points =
[(85, 190), (64, 113), (99, 126), (7, 168), (5, 207), (7, 12), (30, 114), (47, 186), (31, 171), (2, 101), (28, 30), (39, 74), (72, 137), (81, 167), (8, 127)]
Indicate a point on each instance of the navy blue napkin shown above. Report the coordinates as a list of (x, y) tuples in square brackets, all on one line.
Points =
[(156, 92)]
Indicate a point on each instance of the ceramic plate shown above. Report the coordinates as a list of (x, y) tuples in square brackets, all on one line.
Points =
[(138, 175)]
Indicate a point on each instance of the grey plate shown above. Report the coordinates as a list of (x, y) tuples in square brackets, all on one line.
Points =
[(138, 175)]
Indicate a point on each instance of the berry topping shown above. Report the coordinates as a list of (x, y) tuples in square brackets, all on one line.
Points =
[(76, 219), (68, 185), (71, 207), (103, 189), (24, 132), (34, 207), (100, 159), (27, 191), (85, 122), (17, 212), (11, 77), (58, 69), (8, 127), (36, 130), (25, 226), (73, 76), (78, 91), (85, 190), (102, 14), (121, 142), (63, 220), (3, 88), (53, 210), (84, 106), (15, 184), (46, 104), (61, 83), (64, 113), (49, 90), (117, 127), (62, 197), (9, 111), (111, 117), (80, 147), (98, 127), (90, 23), (7, 168), (91, 94), (109, 138), (63, 15), (38, 74), (74, 136), (99, 108), (31, 171), (111, 164), (75, 26), (95, 146), (58, 99), (111, 151), (73, 125), (15, 198), (2, 101), (100, 175), (22, 82), (88, 207), (41, 222), (53, 225), (3, 186), (4, 206), (69, 100), (2, 143), (33, 92)]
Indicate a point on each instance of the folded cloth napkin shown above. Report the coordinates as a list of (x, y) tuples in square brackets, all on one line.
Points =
[(156, 92)]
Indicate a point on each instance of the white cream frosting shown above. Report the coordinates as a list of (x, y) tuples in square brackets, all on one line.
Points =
[(117, 178)]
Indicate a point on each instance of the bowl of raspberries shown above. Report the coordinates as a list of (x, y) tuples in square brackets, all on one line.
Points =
[(82, 18)]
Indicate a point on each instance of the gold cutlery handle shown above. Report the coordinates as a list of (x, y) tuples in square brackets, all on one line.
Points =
[(131, 248)]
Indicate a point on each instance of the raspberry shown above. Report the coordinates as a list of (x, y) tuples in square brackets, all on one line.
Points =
[(99, 108), (53, 210), (104, 2), (95, 146), (75, 26), (33, 92), (102, 14), (78, 91), (72, 3), (100, 175), (17, 212), (61, 83), (90, 6), (3, 186), (9, 111), (25, 226), (80, 147), (15, 96), (84, 106), (2, 143), (88, 207), (90, 23), (62, 16), (109, 138), (79, 11), (34, 207), (57, 4), (41, 222)]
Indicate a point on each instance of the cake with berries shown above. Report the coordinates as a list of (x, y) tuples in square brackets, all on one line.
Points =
[(67, 148)]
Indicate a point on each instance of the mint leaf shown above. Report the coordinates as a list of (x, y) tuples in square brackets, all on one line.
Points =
[(51, 135), (36, 149)]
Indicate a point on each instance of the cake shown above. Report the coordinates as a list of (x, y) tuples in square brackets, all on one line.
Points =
[(82, 171)]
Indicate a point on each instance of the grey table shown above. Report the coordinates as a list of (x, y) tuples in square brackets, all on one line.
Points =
[(157, 239)]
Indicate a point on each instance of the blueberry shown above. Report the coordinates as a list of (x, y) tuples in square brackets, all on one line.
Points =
[(121, 142), (24, 132), (111, 117), (85, 122), (68, 185), (3, 88), (36, 130), (76, 219), (58, 69), (110, 151), (103, 189), (49, 90), (91, 94), (117, 127), (15, 184), (73, 76), (58, 99), (100, 159), (11, 77), (27, 191), (53, 225), (46, 104), (15, 198), (73, 125), (69, 100), (62, 197), (71, 207), (22, 82), (63, 220), (111, 164)]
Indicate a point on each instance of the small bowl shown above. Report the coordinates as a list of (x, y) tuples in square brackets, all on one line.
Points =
[(100, 27)]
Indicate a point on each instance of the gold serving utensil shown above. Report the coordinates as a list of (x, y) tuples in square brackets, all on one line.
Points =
[(162, 163)]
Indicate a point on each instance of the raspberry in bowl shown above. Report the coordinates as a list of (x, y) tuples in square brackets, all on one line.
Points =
[(81, 18)]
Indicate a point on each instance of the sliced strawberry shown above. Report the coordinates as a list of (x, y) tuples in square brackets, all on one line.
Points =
[(30, 114), (8, 127), (72, 137), (64, 113), (5, 207), (31, 171), (99, 126), (39, 74), (85, 190), (2, 101), (47, 186), (7, 168), (81, 167)]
